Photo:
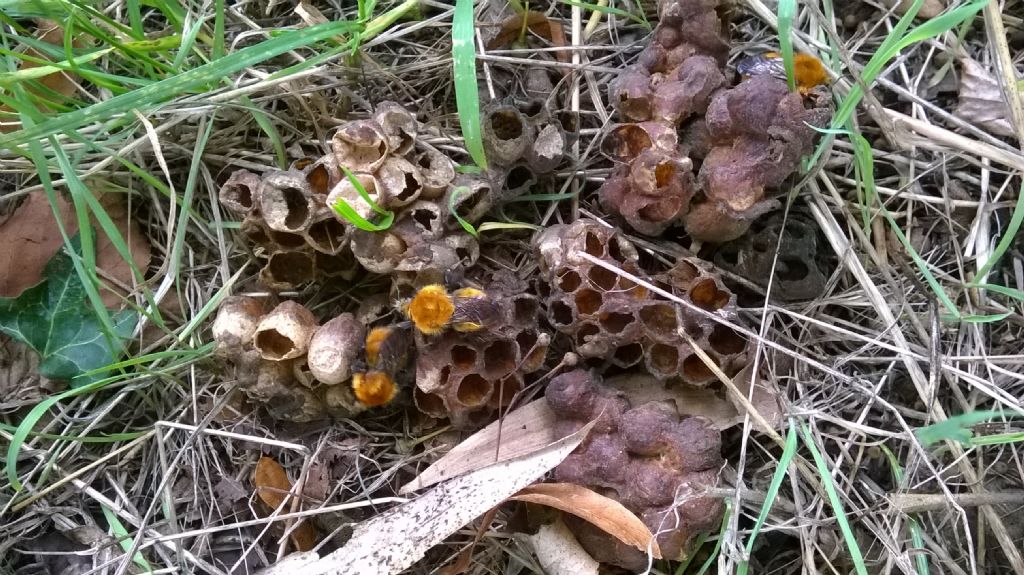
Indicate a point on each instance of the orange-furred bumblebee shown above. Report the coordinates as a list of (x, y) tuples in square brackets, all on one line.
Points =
[(808, 71), (433, 309), (385, 354)]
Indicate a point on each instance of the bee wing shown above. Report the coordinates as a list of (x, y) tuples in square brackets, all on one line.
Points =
[(394, 350), (483, 311), (762, 65)]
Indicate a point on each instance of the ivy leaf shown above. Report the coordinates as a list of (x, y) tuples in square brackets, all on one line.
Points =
[(55, 319)]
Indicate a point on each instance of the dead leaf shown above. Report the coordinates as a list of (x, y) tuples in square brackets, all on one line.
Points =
[(465, 558), (536, 22), (603, 512), (522, 431), (60, 82), (399, 537), (20, 383), (981, 99), (116, 270), (273, 487), (929, 8), (764, 398), (32, 238), (559, 553), (703, 401)]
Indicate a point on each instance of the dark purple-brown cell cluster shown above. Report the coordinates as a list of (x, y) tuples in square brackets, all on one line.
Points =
[(693, 150), (655, 463)]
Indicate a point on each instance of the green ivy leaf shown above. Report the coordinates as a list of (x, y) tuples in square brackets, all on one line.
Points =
[(55, 319)]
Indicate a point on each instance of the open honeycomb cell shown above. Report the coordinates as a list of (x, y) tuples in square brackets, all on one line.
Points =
[(616, 322), (663, 359), (660, 321), (602, 278), (431, 404), (463, 357), (707, 295), (500, 357), (561, 314), (569, 281), (505, 391), (695, 371), (525, 310), (628, 355), (726, 341), (588, 301), (472, 390)]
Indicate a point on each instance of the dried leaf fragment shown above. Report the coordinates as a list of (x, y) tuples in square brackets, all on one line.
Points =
[(929, 8), (559, 553), (609, 515), (536, 22), (981, 99), (414, 527), (273, 487), (522, 431), (31, 238)]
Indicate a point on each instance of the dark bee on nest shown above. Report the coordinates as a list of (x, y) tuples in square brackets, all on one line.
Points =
[(808, 71), (433, 309), (386, 353)]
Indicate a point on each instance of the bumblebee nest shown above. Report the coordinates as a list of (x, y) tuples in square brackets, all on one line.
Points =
[(694, 151)]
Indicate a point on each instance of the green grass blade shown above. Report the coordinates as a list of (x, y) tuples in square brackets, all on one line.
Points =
[(456, 192), (899, 39), (915, 528), (1009, 292), (788, 452), (29, 423), (153, 94), (610, 10), (124, 539), (787, 12), (218, 30), (177, 248), (721, 537), (956, 428), (467, 97), (349, 213), (1009, 236), (837, 505), (998, 439), (263, 121)]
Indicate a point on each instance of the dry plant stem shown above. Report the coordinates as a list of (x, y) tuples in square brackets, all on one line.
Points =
[(928, 136), (997, 36), (102, 499), (81, 471), (921, 382), (924, 502)]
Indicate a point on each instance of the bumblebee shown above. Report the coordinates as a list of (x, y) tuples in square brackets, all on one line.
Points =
[(433, 310), (808, 71), (385, 354), (374, 388)]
